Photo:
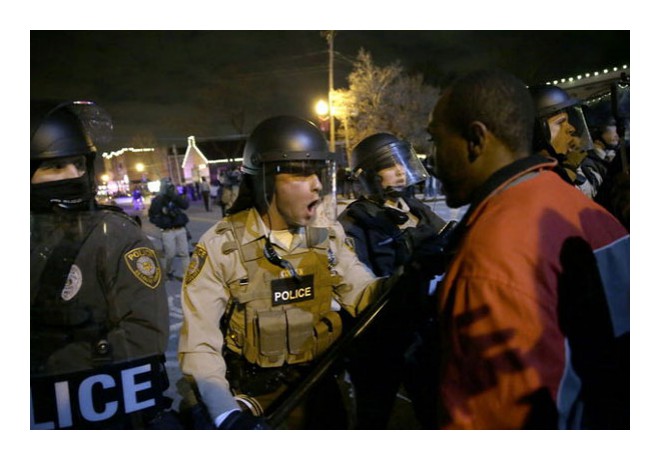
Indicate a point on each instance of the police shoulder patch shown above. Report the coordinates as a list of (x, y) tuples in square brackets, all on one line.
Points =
[(73, 283), (197, 261), (143, 263)]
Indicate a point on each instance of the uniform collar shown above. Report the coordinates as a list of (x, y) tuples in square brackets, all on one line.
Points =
[(255, 228)]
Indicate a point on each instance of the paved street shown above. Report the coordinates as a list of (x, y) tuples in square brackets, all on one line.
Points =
[(200, 222)]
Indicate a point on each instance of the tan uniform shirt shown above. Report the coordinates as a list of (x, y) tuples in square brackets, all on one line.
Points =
[(205, 297)]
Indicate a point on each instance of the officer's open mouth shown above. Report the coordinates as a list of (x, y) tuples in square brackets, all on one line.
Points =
[(311, 206)]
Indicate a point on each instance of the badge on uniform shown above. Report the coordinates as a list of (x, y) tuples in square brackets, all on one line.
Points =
[(143, 263), (73, 283), (197, 261)]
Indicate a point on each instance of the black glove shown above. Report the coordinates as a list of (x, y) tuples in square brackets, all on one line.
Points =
[(431, 254), (243, 420)]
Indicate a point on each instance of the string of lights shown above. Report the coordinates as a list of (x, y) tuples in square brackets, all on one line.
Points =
[(589, 75), (116, 153)]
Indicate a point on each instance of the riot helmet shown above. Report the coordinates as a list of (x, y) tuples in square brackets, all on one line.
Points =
[(559, 125), (284, 145), (64, 135), (386, 165), (281, 140), (603, 128)]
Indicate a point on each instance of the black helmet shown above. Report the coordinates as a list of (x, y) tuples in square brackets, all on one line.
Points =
[(283, 139), (60, 130), (64, 130), (56, 132), (599, 118), (550, 100), (381, 151), (282, 144)]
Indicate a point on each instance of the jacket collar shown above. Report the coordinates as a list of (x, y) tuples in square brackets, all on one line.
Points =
[(508, 176), (502, 179)]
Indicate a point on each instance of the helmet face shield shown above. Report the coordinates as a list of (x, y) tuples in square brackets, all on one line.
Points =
[(302, 168), (392, 167), (567, 130), (407, 167)]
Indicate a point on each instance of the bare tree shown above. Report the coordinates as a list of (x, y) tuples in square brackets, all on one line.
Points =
[(384, 99), (410, 103)]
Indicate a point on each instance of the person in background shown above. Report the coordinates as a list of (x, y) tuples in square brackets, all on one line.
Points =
[(138, 202), (604, 169), (167, 213), (206, 192), (535, 302), (231, 181)]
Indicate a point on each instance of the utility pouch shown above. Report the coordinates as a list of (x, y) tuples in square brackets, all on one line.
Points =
[(300, 335), (271, 327), (326, 331)]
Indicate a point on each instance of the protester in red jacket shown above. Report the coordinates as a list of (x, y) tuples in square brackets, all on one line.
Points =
[(535, 303)]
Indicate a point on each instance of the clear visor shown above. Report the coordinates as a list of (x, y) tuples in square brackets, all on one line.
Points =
[(568, 131), (396, 169)]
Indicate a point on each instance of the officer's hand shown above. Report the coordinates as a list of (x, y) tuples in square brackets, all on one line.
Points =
[(243, 420), (421, 235)]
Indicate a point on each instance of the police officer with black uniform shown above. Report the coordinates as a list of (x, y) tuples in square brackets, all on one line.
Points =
[(390, 228), (98, 307), (273, 280)]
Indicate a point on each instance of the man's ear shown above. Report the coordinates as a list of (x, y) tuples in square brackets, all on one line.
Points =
[(476, 137)]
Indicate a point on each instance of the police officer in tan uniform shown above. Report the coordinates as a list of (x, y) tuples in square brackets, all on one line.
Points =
[(270, 278), (98, 307)]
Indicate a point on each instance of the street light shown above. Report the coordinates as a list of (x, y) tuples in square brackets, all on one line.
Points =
[(322, 108), (322, 111)]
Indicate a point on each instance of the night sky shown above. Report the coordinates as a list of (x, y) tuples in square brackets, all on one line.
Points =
[(167, 85)]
